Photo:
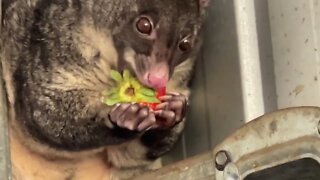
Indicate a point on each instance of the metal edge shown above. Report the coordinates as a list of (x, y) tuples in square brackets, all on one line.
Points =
[(265, 142), (249, 57)]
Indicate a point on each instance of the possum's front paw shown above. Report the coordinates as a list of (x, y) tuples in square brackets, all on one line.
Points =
[(172, 109), (134, 117)]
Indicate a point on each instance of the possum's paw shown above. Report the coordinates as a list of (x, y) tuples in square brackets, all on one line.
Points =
[(133, 117), (172, 110)]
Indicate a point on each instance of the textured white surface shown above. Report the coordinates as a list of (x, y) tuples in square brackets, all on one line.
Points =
[(295, 28), (250, 68)]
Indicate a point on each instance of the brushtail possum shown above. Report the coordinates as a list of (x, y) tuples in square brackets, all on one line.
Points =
[(56, 60)]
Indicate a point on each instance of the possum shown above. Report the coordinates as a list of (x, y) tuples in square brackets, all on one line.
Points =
[(56, 60)]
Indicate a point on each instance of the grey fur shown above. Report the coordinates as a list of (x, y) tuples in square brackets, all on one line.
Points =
[(57, 55)]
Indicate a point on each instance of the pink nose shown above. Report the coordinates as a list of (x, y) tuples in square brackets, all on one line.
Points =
[(157, 81)]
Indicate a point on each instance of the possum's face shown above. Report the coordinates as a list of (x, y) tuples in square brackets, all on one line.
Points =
[(157, 37)]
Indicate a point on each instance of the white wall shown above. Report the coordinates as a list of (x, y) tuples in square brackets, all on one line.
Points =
[(295, 27)]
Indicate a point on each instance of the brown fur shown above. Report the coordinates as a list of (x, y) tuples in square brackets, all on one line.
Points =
[(56, 69)]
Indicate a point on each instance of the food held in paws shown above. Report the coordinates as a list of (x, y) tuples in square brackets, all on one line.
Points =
[(128, 89)]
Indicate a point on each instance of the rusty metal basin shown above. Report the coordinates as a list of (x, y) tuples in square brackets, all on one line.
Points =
[(282, 145)]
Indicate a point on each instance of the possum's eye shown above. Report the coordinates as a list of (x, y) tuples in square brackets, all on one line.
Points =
[(185, 44), (144, 25)]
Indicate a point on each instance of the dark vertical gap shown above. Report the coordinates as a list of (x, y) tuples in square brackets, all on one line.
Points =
[(184, 146), (207, 105), (223, 81)]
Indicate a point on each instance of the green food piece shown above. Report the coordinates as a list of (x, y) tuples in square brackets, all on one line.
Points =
[(126, 75), (111, 102), (148, 92), (115, 75), (128, 89)]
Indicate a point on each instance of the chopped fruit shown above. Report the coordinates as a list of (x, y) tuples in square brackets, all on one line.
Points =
[(160, 92), (150, 105), (128, 89)]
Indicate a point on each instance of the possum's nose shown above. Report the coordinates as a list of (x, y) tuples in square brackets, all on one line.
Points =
[(158, 76), (157, 82)]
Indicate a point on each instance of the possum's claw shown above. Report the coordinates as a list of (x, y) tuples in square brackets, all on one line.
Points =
[(133, 117)]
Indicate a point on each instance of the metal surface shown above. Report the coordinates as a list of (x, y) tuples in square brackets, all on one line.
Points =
[(250, 68), (5, 165), (302, 169), (271, 140), (222, 159), (200, 167), (295, 28), (274, 139)]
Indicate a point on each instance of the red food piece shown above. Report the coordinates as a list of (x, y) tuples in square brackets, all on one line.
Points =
[(160, 92), (150, 105), (153, 105)]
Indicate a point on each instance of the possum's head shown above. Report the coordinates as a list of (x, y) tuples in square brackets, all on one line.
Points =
[(156, 36)]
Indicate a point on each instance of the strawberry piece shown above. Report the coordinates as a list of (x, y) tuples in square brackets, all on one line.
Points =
[(153, 105), (161, 92), (150, 105)]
